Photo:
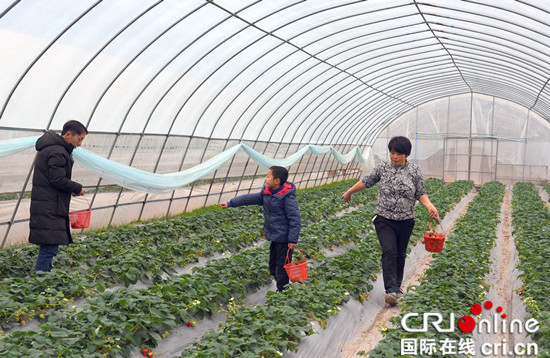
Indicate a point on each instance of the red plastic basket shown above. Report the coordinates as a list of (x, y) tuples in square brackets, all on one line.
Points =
[(80, 219), (433, 240), (297, 270)]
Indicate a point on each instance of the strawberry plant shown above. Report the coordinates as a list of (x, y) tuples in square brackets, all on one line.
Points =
[(456, 277), (114, 321), (331, 283), (130, 253), (279, 325), (137, 317), (433, 185), (531, 223)]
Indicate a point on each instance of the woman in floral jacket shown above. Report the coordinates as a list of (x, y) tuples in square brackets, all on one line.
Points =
[(401, 185)]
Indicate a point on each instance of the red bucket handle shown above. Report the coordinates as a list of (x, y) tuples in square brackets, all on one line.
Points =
[(442, 230), (287, 261), (89, 205)]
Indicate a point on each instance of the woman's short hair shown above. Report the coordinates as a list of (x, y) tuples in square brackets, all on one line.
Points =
[(401, 145)]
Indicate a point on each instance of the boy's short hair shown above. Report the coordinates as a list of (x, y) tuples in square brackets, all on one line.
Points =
[(75, 127), (279, 173), (401, 145)]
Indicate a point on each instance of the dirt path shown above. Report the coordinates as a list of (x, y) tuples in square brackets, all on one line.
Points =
[(356, 326), (500, 278), (183, 337), (417, 262), (544, 195), (503, 283)]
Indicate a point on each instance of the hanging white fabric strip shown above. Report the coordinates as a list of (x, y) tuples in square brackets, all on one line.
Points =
[(154, 183)]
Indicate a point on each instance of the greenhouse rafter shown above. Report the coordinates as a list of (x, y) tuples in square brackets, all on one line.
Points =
[(463, 44), (269, 178), (166, 85)]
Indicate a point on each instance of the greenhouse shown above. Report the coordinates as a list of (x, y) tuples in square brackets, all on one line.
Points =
[(190, 104)]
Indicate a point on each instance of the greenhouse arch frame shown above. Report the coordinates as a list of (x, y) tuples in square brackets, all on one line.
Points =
[(164, 86)]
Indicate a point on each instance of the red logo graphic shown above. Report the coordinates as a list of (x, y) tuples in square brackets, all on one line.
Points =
[(467, 323)]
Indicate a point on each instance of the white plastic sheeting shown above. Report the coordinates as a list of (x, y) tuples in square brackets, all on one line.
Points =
[(163, 85), (315, 72), (497, 140)]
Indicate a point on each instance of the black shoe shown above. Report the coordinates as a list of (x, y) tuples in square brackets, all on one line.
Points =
[(399, 294)]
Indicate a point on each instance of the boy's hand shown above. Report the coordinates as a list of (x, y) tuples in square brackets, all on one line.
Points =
[(292, 245), (223, 205)]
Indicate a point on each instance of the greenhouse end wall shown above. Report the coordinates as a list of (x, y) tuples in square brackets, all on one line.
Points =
[(474, 137)]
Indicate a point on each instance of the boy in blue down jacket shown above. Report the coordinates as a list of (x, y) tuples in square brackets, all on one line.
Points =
[(281, 219)]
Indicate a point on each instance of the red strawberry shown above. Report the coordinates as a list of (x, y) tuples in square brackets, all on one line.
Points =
[(20, 319), (144, 352), (150, 355), (200, 255), (191, 324)]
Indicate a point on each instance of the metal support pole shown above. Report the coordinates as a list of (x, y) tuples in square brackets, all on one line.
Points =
[(179, 170), (21, 194), (525, 145), (446, 138), (470, 136), (493, 156)]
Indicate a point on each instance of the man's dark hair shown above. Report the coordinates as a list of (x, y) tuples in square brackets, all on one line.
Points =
[(75, 127), (279, 173), (401, 145)]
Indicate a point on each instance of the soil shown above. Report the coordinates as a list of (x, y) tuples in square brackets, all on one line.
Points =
[(357, 327), (503, 284), (369, 337)]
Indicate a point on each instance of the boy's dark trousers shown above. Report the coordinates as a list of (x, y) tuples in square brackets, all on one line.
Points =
[(277, 256), (393, 236)]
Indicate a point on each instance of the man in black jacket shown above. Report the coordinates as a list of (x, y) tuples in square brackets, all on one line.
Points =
[(52, 188)]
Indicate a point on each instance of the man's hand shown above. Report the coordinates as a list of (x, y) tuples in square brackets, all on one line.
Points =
[(292, 245), (223, 205), (79, 194)]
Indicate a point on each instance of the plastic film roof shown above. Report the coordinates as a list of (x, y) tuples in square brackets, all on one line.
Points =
[(280, 71)]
